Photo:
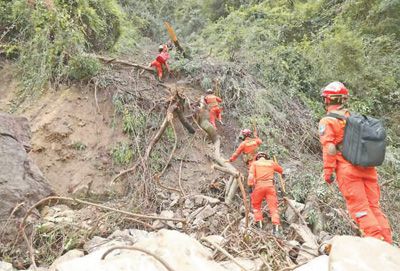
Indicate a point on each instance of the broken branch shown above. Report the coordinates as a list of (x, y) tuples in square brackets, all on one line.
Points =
[(164, 263), (223, 251), (108, 60)]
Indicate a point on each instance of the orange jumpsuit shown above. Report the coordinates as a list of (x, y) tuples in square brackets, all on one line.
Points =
[(359, 185), (213, 105), (249, 148), (159, 62), (261, 175)]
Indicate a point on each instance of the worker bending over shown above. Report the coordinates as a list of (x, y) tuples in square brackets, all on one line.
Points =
[(161, 61), (248, 147)]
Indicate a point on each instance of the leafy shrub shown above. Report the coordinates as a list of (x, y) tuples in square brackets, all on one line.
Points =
[(83, 67), (48, 37), (122, 154)]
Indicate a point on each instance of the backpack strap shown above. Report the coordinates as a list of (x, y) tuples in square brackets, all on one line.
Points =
[(336, 116)]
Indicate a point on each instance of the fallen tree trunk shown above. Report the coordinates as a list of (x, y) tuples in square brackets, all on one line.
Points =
[(202, 117), (184, 122)]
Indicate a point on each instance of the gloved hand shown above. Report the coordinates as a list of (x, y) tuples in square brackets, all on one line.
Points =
[(329, 176), (249, 189)]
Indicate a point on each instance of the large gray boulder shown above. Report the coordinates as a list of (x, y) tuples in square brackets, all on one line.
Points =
[(21, 181), (350, 253)]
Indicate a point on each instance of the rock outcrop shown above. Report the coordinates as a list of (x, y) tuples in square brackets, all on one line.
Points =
[(21, 181)]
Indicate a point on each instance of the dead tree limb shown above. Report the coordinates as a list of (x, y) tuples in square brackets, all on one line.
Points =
[(180, 179), (223, 251), (184, 122), (42, 201), (287, 200), (108, 60), (158, 177), (164, 263), (154, 140), (225, 170), (244, 197)]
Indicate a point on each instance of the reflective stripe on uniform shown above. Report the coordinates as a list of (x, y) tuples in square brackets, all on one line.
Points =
[(361, 214)]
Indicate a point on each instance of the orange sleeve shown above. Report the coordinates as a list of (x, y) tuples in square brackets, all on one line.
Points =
[(277, 168), (327, 137), (259, 141), (250, 180), (218, 99), (236, 154)]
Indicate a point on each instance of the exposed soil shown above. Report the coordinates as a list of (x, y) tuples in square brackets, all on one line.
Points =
[(72, 139)]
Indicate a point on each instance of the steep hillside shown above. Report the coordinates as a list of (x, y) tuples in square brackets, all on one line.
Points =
[(105, 131)]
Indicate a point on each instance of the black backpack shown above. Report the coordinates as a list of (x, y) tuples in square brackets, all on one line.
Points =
[(364, 141)]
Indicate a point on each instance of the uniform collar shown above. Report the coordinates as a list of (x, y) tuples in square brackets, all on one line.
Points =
[(335, 107)]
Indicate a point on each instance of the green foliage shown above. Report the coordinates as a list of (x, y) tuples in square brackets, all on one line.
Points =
[(79, 146), (83, 67), (122, 154), (53, 39), (133, 122), (156, 160), (301, 48), (169, 132)]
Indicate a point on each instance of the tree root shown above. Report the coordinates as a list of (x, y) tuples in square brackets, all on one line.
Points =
[(164, 263), (152, 143)]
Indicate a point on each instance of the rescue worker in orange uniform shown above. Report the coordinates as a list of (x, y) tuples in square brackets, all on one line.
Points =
[(261, 181), (161, 60), (248, 147), (213, 102), (359, 185)]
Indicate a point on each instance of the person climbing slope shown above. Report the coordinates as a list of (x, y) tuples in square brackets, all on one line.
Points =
[(248, 147), (161, 60), (213, 102), (358, 184), (261, 183)]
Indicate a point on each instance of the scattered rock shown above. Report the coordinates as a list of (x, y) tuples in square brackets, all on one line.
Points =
[(290, 215), (173, 202), (201, 199), (198, 201), (204, 214), (188, 204)]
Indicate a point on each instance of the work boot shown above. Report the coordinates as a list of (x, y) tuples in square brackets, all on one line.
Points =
[(276, 231), (220, 121)]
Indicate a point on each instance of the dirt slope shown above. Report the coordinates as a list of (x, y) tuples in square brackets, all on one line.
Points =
[(73, 139)]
